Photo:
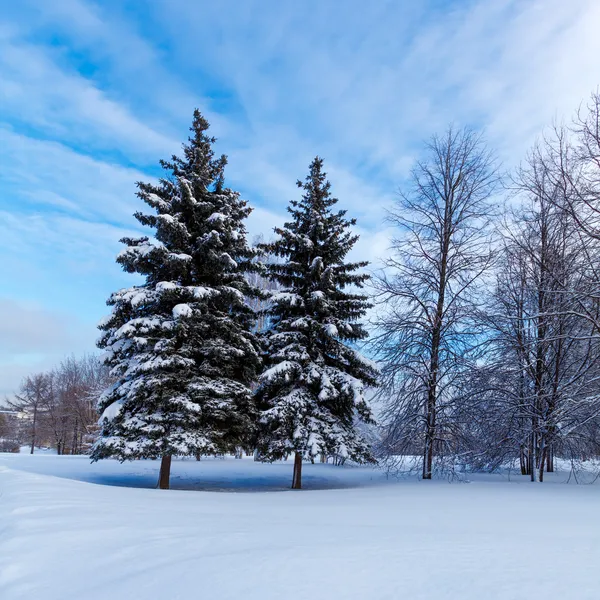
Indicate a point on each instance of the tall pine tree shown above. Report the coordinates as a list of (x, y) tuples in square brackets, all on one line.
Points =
[(180, 344), (313, 388)]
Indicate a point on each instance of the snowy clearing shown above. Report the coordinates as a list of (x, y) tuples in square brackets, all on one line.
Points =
[(64, 536)]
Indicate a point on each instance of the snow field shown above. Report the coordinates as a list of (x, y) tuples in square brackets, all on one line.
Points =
[(65, 536)]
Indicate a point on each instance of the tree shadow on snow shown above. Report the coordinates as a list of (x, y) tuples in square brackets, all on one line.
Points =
[(209, 475)]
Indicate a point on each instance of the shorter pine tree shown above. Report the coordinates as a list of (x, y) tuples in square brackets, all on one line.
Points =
[(180, 344), (312, 392)]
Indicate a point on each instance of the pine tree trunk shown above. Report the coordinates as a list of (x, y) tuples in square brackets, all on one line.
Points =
[(297, 479), (165, 472)]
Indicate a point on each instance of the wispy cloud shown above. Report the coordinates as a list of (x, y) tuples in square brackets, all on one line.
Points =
[(33, 338), (35, 92), (42, 174)]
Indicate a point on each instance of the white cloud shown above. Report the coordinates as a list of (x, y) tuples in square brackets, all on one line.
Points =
[(33, 339), (513, 66), (363, 84), (49, 173), (133, 68), (262, 222), (23, 325), (35, 90), (56, 273)]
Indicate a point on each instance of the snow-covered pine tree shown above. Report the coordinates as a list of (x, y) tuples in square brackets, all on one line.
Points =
[(312, 391), (180, 344)]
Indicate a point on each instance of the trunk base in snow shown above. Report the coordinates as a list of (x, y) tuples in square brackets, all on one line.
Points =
[(165, 472), (297, 478)]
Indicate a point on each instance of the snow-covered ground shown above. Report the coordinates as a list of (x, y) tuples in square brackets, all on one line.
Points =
[(233, 530)]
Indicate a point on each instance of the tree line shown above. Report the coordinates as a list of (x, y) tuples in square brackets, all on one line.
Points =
[(56, 408), (482, 322), (489, 334)]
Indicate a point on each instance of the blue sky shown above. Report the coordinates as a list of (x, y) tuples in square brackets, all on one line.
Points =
[(93, 93)]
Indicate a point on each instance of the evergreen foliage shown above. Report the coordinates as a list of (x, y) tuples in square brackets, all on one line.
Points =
[(313, 388), (180, 344)]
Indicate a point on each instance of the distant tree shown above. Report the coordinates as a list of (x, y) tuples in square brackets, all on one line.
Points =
[(9, 431), (29, 403), (313, 388), (427, 332), (58, 407), (70, 407), (259, 279), (181, 344)]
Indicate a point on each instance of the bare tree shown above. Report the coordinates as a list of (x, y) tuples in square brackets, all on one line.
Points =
[(71, 407), (572, 158), (542, 387), (59, 407), (28, 403), (428, 335), (258, 278)]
